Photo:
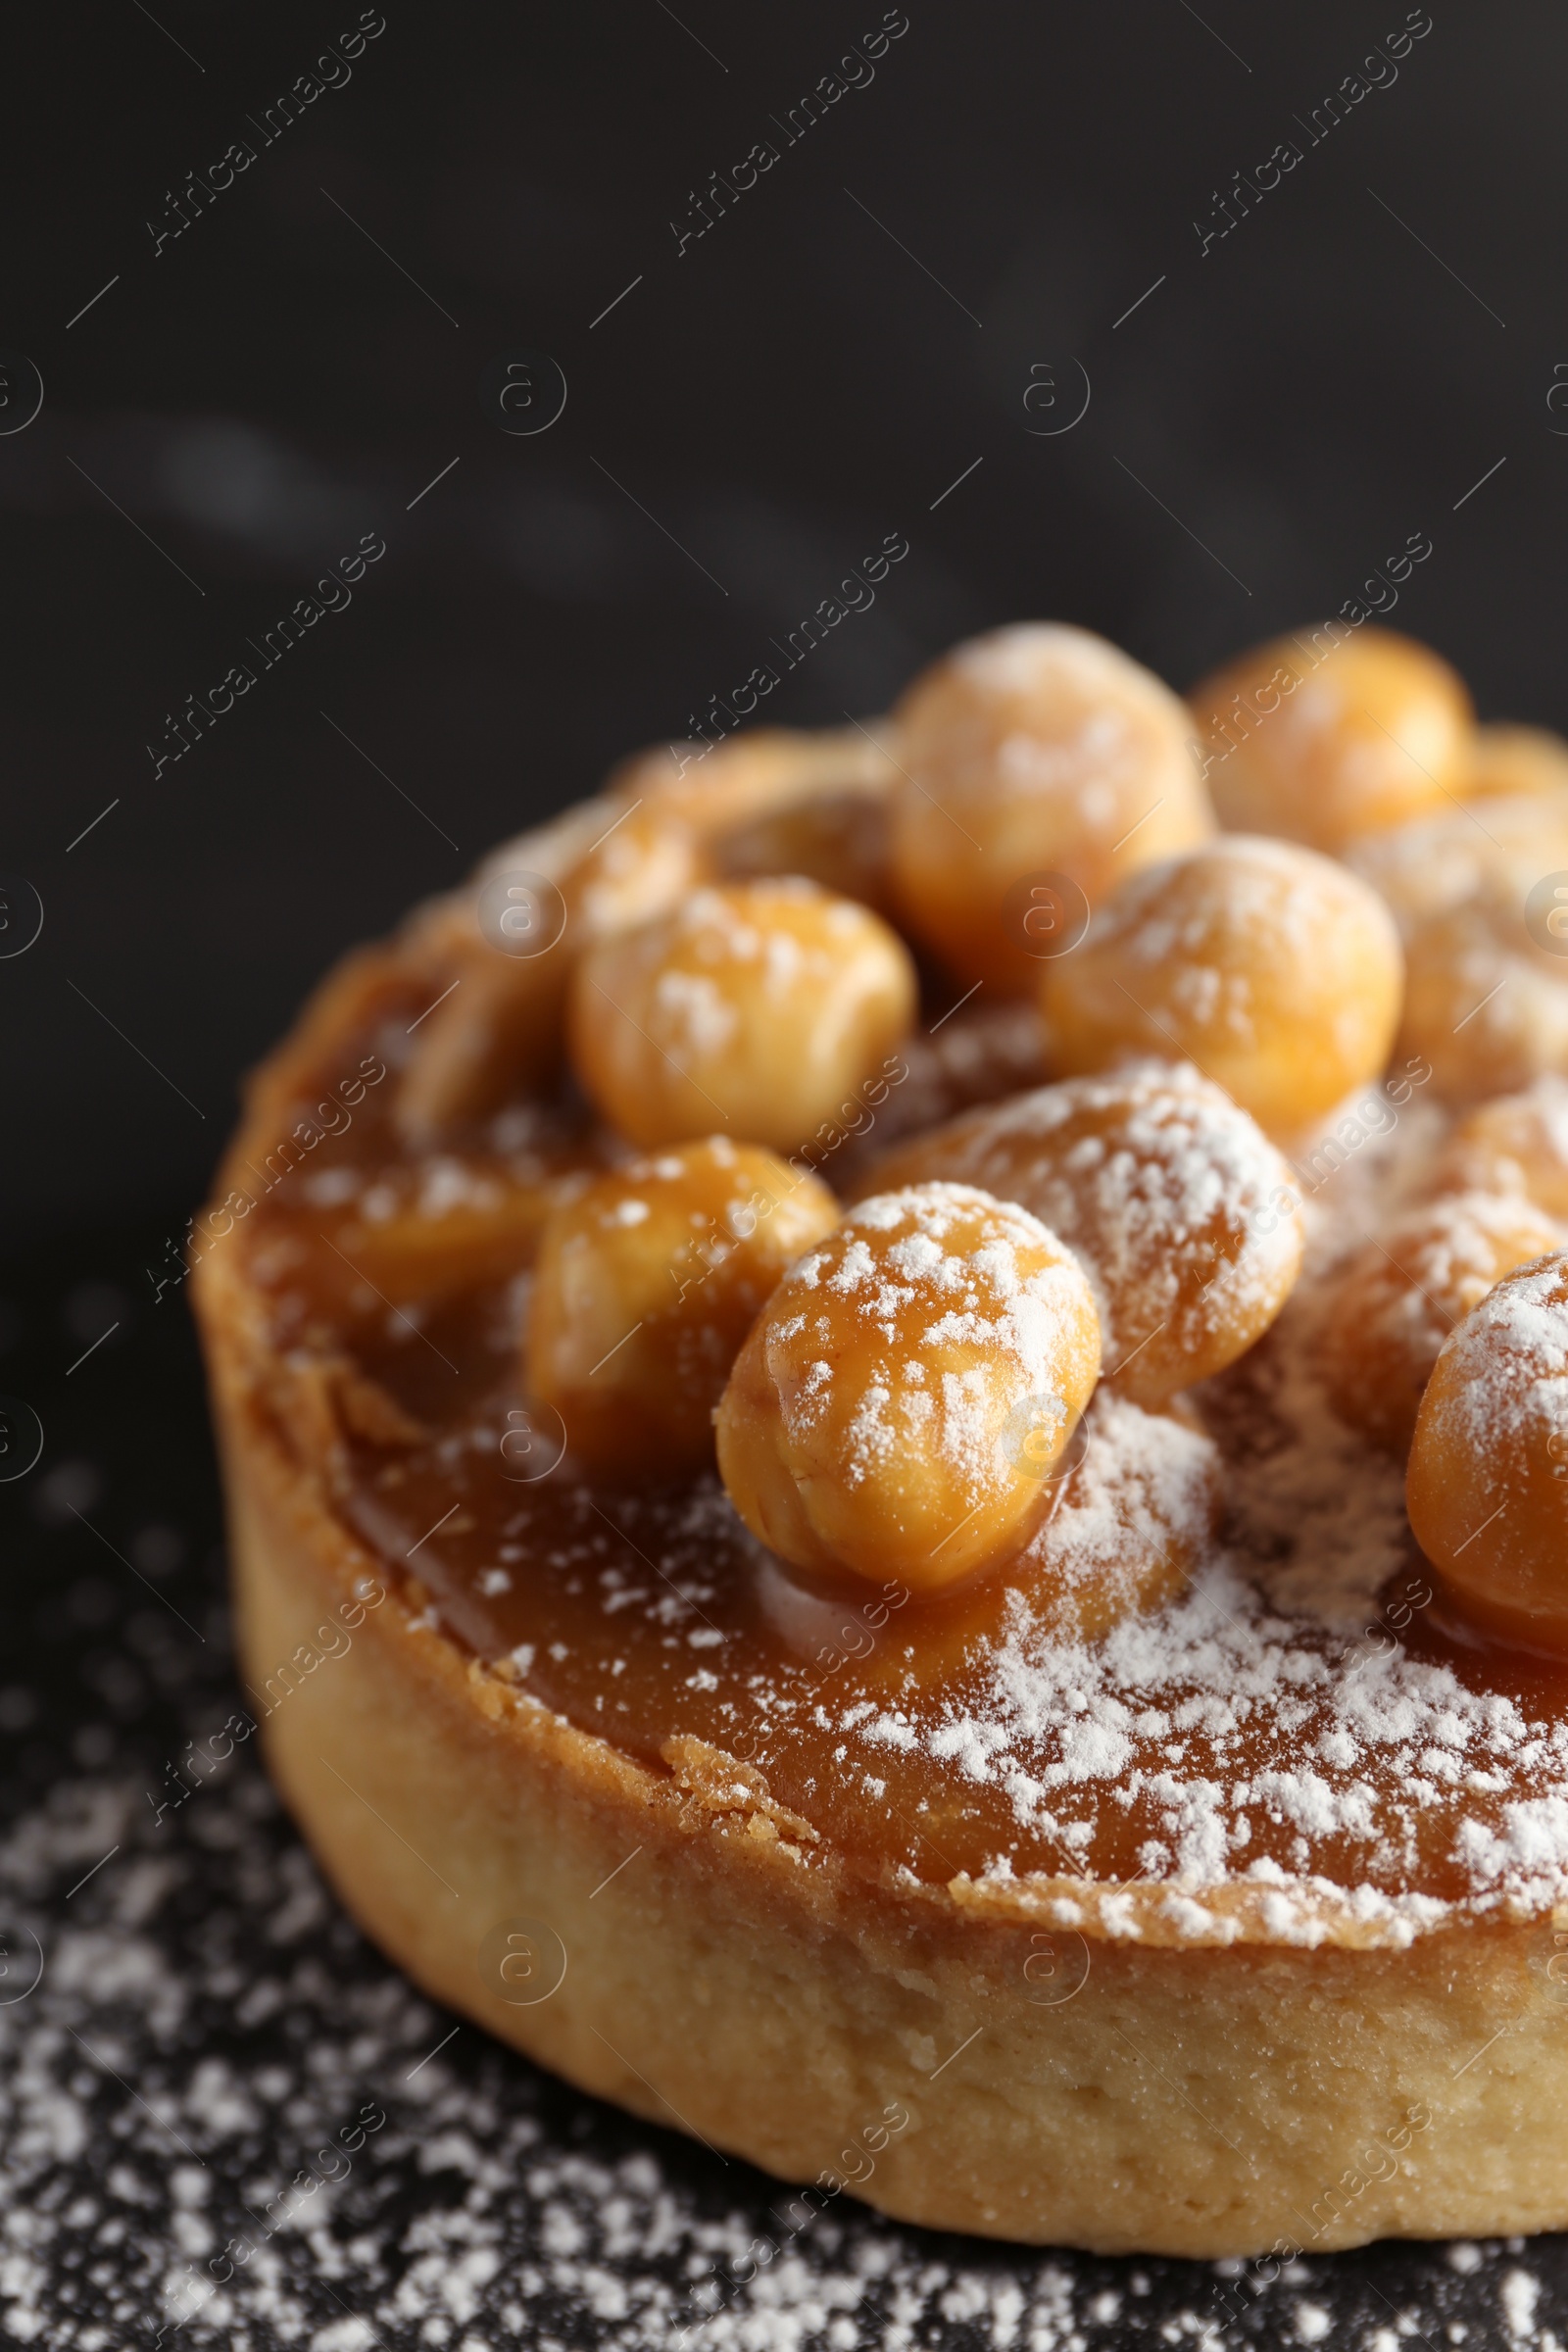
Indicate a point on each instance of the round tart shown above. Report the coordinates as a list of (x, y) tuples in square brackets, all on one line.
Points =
[(1024, 1767)]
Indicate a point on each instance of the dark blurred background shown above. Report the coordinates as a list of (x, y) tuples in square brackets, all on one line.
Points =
[(917, 294)]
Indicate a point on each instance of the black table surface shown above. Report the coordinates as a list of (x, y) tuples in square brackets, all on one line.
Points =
[(225, 2121)]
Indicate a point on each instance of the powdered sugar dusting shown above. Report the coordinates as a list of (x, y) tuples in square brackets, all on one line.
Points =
[(968, 1302), (1511, 1357), (719, 939), (1274, 1704), (1182, 1212), (1137, 1510)]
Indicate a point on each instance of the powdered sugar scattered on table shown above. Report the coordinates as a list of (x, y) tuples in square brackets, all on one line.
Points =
[(207, 2020)]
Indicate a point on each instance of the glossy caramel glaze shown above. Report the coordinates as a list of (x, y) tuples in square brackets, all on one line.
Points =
[(1247, 1729)]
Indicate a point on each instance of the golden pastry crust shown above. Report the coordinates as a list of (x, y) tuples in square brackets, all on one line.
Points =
[(1198, 2091), (1179, 2061)]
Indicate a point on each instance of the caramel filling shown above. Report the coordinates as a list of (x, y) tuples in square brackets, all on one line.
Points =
[(971, 1732)]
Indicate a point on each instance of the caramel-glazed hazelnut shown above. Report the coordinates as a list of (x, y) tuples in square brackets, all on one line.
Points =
[(1036, 750), (1513, 1143), (1136, 1504), (1486, 1484), (1435, 863), (1487, 990), (493, 1025), (839, 839), (1507, 759), (1322, 741), (1389, 1311), (646, 1284), (1275, 970), (756, 1007), (1181, 1210), (753, 775), (768, 800), (903, 1395)]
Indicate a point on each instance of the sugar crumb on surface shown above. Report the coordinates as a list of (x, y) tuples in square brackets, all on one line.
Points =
[(165, 2084)]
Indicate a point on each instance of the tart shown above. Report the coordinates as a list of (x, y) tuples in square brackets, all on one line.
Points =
[(907, 1511)]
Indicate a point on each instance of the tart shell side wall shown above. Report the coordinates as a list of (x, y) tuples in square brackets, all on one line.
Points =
[(737, 1978)]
